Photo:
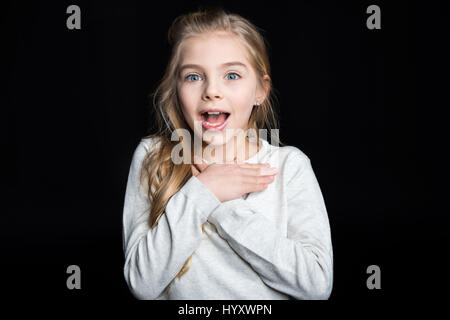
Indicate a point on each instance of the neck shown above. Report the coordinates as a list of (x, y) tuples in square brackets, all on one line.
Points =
[(237, 148)]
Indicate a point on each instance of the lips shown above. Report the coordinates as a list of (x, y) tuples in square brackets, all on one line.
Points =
[(214, 119)]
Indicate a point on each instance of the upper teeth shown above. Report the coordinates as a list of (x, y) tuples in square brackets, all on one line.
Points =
[(214, 112)]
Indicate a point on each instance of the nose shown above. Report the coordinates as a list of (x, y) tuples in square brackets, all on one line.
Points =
[(212, 92)]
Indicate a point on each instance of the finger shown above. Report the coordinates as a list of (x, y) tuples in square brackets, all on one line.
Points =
[(256, 187), (254, 165), (252, 182), (259, 171), (260, 187)]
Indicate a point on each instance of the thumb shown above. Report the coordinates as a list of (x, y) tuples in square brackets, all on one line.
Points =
[(199, 163), (194, 170)]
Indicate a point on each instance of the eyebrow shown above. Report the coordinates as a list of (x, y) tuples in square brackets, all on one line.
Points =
[(227, 64)]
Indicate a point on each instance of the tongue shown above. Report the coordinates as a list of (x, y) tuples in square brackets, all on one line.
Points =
[(216, 118)]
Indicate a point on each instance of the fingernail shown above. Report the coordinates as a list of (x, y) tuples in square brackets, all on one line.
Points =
[(270, 171)]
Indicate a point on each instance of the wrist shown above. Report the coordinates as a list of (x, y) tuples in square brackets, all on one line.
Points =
[(204, 181)]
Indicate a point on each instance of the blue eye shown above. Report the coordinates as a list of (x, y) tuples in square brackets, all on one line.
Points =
[(196, 77), (233, 74), (190, 79)]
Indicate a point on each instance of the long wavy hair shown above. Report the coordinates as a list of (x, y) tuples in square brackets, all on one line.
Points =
[(162, 177)]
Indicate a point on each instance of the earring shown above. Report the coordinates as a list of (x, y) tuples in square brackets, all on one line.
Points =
[(257, 103)]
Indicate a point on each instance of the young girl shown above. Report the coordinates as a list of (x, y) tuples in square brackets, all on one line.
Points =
[(248, 221)]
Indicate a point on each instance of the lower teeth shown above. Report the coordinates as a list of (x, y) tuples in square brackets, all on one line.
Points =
[(213, 124), (217, 124)]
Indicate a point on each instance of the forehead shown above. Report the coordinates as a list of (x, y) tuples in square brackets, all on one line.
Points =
[(212, 49)]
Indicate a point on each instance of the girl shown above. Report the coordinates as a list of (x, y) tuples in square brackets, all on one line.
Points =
[(248, 221)]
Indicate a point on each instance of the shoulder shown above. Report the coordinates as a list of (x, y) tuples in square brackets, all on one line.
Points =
[(291, 161), (145, 146), (291, 155), (293, 152), (149, 142)]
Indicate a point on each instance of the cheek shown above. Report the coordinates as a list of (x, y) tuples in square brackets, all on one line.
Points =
[(243, 97), (188, 100), (185, 95), (243, 91)]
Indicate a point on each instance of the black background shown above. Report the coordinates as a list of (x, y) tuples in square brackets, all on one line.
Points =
[(366, 106)]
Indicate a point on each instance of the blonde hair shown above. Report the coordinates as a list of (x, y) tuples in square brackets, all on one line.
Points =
[(163, 177)]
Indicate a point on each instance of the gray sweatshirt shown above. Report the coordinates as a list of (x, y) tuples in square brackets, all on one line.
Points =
[(274, 244)]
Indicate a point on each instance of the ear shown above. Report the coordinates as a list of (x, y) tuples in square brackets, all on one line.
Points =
[(262, 92)]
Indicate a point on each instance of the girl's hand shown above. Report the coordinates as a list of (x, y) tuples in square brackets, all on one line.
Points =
[(231, 181)]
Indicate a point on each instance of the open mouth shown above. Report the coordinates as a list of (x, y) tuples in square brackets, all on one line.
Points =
[(214, 120)]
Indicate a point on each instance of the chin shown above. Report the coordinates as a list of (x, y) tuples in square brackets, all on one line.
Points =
[(218, 138), (215, 140)]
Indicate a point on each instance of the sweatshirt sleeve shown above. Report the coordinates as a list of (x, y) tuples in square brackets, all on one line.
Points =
[(153, 257), (299, 264)]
